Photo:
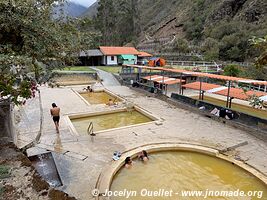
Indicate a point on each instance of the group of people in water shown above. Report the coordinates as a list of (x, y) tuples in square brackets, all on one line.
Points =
[(110, 101), (142, 156)]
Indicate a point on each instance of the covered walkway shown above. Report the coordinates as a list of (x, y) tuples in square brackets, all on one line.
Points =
[(162, 82), (236, 93), (230, 91)]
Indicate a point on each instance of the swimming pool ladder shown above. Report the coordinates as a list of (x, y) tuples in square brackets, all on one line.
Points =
[(90, 129)]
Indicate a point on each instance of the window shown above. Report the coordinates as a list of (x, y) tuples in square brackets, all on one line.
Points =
[(112, 58)]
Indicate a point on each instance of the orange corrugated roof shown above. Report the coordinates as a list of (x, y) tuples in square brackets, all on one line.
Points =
[(204, 86), (234, 92), (166, 80), (216, 76), (144, 54), (154, 77), (113, 51), (239, 93)]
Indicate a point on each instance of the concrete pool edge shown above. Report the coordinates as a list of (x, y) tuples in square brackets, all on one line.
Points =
[(68, 118), (78, 93), (107, 174)]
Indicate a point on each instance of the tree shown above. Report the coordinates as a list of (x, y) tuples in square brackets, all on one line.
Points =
[(261, 43), (118, 21), (181, 46), (210, 49), (258, 70), (255, 102), (29, 36), (231, 70), (105, 21)]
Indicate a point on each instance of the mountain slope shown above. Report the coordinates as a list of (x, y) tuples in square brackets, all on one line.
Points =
[(217, 29), (91, 11), (70, 9)]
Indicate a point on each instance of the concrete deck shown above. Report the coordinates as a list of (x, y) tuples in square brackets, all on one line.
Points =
[(80, 159)]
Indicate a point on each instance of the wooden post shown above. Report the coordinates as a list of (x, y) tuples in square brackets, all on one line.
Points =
[(228, 94), (163, 81), (166, 86), (230, 103), (180, 90), (139, 74), (200, 87)]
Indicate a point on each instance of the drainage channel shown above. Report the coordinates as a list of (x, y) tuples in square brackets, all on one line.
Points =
[(46, 167)]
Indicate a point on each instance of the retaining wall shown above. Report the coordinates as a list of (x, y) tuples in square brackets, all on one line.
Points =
[(6, 121), (244, 119)]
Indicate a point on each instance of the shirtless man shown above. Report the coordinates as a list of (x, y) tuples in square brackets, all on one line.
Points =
[(55, 113), (110, 102)]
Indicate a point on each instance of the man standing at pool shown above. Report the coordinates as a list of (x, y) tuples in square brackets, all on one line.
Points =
[(55, 113)]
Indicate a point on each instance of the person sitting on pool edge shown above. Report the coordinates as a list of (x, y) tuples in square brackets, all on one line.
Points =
[(111, 103), (128, 162), (89, 89), (143, 156)]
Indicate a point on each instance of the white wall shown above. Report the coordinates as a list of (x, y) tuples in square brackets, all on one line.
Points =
[(103, 60), (112, 62)]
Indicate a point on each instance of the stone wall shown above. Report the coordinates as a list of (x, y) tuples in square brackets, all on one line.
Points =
[(6, 120)]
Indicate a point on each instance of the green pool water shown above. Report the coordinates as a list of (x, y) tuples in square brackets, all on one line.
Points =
[(110, 121), (98, 97)]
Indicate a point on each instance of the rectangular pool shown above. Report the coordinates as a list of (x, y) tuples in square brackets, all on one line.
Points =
[(110, 120), (101, 97)]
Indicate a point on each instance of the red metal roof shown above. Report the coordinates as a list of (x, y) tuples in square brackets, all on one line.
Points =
[(234, 92), (204, 86), (144, 54), (220, 77), (113, 51), (239, 93), (166, 80)]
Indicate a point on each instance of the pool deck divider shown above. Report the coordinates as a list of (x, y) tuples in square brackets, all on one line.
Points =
[(106, 176)]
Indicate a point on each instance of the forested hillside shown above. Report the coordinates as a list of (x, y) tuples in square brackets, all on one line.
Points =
[(218, 29)]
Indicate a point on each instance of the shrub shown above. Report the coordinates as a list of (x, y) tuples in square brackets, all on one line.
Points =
[(232, 70)]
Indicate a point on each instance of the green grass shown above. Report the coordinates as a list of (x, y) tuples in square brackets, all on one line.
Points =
[(4, 171), (202, 69), (179, 67), (81, 69), (237, 107), (110, 69)]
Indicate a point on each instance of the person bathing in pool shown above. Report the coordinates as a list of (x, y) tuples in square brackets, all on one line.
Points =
[(111, 103), (143, 156), (128, 163)]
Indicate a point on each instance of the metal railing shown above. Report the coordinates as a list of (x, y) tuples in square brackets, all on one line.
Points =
[(90, 129)]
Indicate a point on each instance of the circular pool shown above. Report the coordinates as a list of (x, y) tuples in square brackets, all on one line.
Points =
[(176, 174)]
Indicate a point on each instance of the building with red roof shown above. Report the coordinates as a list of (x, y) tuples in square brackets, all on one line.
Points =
[(119, 55), (111, 55)]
